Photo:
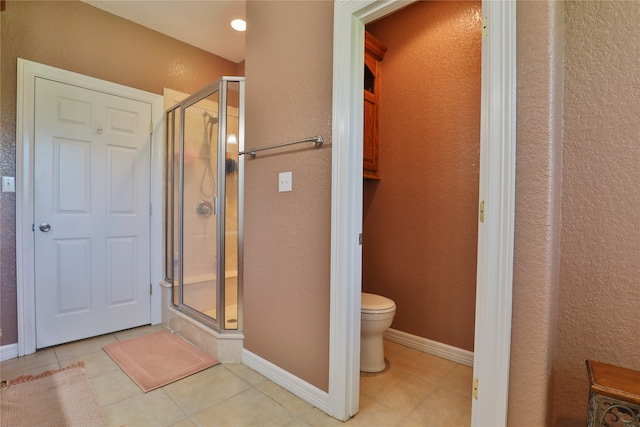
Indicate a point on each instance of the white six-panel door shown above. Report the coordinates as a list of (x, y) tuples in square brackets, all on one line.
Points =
[(91, 210)]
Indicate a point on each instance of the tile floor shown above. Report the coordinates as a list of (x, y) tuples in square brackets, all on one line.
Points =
[(417, 390)]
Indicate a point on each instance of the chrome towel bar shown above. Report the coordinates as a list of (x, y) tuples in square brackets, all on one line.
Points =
[(317, 143)]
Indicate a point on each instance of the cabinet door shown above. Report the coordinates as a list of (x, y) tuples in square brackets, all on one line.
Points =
[(374, 52), (370, 149)]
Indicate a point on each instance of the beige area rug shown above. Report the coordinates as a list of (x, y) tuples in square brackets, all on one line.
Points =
[(155, 360), (54, 398)]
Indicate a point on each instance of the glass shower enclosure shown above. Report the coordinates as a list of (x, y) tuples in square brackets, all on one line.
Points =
[(203, 262)]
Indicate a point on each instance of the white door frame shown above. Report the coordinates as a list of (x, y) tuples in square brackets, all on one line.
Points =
[(27, 73), (497, 190)]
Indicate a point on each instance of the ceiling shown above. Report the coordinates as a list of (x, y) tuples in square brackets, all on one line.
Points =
[(201, 23)]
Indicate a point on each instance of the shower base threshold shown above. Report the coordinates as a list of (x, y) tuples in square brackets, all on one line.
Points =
[(225, 347)]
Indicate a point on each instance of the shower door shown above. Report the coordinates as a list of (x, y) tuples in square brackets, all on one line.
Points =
[(204, 136)]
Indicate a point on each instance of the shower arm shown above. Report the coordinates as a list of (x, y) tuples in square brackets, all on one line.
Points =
[(317, 143)]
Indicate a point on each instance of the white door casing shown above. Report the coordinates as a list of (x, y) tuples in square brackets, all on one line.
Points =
[(91, 209), (497, 190), (28, 71), (496, 233)]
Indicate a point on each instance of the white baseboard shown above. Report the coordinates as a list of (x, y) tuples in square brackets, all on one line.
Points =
[(307, 392), (9, 351), (455, 354)]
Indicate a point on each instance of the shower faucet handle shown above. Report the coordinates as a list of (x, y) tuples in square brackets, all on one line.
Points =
[(204, 208)]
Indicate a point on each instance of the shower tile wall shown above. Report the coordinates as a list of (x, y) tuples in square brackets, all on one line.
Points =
[(199, 260)]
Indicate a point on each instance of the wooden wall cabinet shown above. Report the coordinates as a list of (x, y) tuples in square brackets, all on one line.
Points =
[(373, 54)]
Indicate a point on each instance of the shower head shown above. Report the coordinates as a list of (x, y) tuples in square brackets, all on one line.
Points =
[(210, 118), (209, 121)]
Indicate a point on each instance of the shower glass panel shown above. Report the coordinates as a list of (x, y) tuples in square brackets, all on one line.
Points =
[(205, 132)]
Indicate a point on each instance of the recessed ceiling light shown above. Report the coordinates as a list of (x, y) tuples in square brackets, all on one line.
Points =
[(239, 25)]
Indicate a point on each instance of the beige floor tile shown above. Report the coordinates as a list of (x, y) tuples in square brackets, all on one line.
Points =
[(95, 364), (434, 392), (317, 418), (396, 389), (137, 332), (422, 365), (408, 422), (150, 409), (459, 380), (298, 423), (250, 408), (373, 413), (39, 361), (81, 348), (187, 422), (290, 401), (247, 374), (206, 388), (113, 387), (391, 347), (444, 408)]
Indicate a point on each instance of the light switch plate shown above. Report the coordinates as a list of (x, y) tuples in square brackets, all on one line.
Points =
[(284, 182), (8, 184)]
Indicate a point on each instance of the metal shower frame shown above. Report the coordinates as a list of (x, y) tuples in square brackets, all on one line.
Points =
[(177, 278)]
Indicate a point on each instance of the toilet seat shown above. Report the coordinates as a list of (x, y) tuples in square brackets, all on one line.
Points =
[(376, 316), (376, 304)]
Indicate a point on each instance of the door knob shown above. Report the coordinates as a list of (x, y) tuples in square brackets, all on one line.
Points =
[(45, 227)]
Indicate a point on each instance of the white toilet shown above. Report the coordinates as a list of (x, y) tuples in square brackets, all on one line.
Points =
[(376, 316)]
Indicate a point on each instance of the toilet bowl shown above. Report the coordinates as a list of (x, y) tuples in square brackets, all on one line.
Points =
[(376, 316)]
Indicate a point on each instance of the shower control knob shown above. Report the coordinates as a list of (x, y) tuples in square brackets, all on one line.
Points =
[(204, 208)]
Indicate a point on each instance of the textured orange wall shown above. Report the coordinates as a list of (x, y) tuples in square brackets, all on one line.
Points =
[(287, 235), (575, 286), (599, 263), (77, 37), (538, 210), (599, 299), (420, 219)]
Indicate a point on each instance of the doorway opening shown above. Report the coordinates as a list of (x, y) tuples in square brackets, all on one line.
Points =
[(420, 219), (495, 230)]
